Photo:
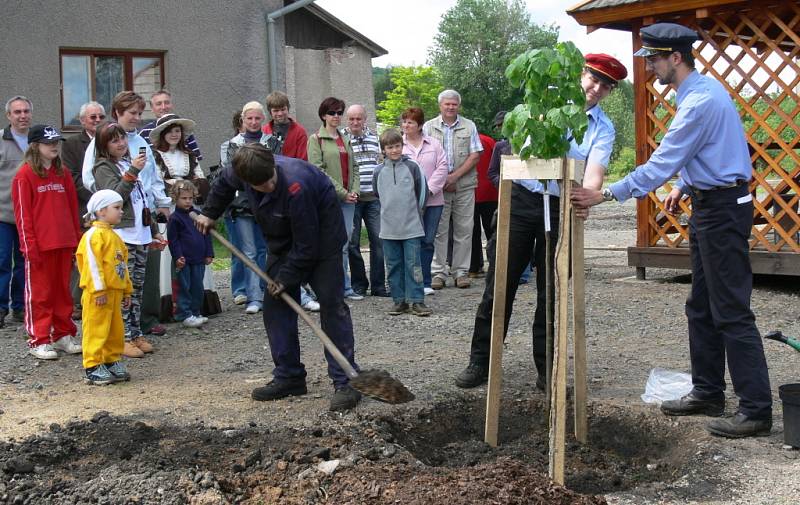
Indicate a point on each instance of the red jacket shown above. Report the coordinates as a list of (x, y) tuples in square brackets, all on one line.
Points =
[(485, 191), (46, 212), (296, 141)]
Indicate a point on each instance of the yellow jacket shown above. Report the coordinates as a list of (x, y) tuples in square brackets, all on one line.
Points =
[(102, 260)]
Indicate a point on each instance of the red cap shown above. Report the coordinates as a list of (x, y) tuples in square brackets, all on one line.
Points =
[(606, 66)]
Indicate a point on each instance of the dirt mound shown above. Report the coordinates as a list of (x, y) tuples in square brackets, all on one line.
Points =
[(430, 456)]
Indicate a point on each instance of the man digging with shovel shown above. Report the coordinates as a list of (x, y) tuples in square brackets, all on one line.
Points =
[(298, 211)]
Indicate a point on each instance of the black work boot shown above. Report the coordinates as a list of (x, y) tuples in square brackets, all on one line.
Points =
[(275, 390), (344, 398), (3, 314), (18, 315), (690, 405), (739, 426), (472, 376)]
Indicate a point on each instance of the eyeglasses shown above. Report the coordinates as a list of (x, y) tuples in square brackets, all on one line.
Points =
[(94, 117), (335, 113)]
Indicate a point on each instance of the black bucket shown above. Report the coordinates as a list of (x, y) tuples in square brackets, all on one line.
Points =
[(790, 396)]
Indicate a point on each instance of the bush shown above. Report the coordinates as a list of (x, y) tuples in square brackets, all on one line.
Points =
[(623, 164)]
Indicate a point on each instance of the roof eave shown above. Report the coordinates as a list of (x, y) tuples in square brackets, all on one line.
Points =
[(342, 27)]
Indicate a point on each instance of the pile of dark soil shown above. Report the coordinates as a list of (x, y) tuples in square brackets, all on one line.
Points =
[(416, 457)]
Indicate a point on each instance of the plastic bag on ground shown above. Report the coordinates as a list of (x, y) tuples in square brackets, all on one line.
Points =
[(666, 385)]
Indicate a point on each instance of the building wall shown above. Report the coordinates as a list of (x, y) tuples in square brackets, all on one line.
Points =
[(215, 57), (312, 75), (215, 61)]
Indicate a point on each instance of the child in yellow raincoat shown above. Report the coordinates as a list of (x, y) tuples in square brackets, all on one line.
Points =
[(102, 260)]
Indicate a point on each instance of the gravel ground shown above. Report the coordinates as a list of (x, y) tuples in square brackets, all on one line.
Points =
[(192, 396)]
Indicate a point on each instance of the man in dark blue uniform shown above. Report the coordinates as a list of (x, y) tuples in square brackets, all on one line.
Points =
[(298, 211), (707, 145)]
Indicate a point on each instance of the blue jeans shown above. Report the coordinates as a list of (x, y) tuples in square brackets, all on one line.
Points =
[(526, 275), (254, 247), (405, 271), (190, 300), (12, 269), (237, 267), (370, 212), (430, 223), (348, 210)]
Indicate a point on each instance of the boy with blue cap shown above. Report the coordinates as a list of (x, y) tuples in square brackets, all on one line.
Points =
[(706, 144)]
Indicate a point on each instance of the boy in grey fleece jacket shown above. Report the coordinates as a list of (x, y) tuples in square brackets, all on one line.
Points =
[(400, 186)]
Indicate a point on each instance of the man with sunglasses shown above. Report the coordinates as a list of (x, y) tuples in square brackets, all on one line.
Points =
[(72, 152), (91, 115), (706, 145)]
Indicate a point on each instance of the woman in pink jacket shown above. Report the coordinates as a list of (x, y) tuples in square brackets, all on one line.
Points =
[(429, 154)]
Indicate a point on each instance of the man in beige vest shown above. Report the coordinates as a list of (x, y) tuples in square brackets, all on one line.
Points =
[(459, 137)]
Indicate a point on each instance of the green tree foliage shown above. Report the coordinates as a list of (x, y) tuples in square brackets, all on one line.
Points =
[(410, 87), (554, 101), (381, 83), (619, 108), (476, 41)]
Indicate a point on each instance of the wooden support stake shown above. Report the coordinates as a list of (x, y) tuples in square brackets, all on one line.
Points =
[(558, 391), (579, 331), (495, 386)]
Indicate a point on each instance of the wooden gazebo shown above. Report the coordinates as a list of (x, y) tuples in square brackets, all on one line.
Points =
[(752, 47)]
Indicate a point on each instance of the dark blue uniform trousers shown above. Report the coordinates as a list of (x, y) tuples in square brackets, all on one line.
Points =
[(327, 280), (718, 308), (526, 242)]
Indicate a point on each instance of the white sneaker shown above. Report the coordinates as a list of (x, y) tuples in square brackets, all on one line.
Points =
[(353, 296), (68, 345), (253, 308), (44, 351), (311, 306), (203, 319), (430, 291), (240, 299), (192, 322)]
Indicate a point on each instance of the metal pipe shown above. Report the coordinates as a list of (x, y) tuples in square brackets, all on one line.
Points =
[(272, 51)]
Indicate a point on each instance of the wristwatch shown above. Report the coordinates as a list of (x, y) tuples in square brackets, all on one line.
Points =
[(608, 195)]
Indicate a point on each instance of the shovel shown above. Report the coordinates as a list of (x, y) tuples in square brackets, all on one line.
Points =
[(375, 383), (780, 337)]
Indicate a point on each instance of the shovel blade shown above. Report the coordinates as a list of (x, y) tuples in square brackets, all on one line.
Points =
[(381, 386)]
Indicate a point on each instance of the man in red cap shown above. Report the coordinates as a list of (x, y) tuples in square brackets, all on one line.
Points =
[(527, 228)]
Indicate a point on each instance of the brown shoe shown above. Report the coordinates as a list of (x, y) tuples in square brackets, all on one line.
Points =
[(463, 282), (131, 351), (437, 282), (477, 275), (143, 344)]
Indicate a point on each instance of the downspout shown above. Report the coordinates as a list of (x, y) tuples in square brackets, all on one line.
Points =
[(272, 50)]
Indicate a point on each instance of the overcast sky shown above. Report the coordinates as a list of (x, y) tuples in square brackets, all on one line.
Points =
[(406, 29)]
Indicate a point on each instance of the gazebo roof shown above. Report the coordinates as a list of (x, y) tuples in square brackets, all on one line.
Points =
[(618, 14)]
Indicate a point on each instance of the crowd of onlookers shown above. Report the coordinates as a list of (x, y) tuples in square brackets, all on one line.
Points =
[(415, 189)]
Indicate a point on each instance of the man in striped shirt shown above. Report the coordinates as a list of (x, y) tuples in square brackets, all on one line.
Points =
[(367, 154)]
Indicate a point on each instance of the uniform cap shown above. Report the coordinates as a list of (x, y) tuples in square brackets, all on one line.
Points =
[(606, 67), (666, 38)]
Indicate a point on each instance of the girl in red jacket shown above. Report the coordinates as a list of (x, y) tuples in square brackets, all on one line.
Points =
[(46, 211)]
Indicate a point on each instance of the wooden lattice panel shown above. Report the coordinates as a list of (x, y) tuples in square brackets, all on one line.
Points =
[(753, 52)]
